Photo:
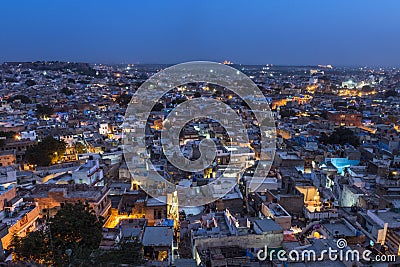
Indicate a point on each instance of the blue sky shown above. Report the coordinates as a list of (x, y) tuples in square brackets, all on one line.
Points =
[(284, 32)]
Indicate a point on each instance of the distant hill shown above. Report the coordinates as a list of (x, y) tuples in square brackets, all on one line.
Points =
[(80, 67)]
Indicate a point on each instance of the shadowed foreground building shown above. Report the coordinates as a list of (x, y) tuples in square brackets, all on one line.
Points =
[(219, 231), (50, 197)]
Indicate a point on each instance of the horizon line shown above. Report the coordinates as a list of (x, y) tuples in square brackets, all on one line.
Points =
[(221, 62)]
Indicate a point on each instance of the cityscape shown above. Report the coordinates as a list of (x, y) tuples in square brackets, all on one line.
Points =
[(198, 162)]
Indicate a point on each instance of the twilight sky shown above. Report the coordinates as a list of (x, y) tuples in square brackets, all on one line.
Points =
[(282, 32)]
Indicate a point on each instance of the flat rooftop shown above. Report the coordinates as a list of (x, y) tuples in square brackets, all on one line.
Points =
[(268, 225), (71, 191), (17, 214), (156, 202), (390, 217), (277, 210), (338, 227)]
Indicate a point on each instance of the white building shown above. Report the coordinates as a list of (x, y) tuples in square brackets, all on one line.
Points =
[(31, 135), (104, 128)]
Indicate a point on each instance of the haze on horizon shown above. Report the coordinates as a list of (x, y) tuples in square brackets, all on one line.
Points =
[(308, 32)]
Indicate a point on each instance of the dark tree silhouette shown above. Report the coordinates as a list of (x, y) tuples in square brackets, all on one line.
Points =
[(42, 111), (30, 82), (46, 152), (340, 136), (75, 227)]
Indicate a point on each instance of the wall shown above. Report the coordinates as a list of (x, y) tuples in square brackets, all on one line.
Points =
[(292, 203), (7, 159), (7, 195), (272, 240), (26, 224)]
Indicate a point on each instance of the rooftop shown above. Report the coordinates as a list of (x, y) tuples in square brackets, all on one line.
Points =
[(268, 225), (339, 228), (69, 191)]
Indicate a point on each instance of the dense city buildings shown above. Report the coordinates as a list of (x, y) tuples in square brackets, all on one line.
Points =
[(335, 172)]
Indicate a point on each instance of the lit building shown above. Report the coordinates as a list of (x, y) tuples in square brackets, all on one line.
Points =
[(7, 158), (17, 217), (314, 209), (50, 197)]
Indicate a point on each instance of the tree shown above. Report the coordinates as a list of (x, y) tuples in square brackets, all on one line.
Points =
[(30, 82), (33, 248), (80, 148), (7, 135), (67, 91), (197, 94), (123, 99), (390, 93), (287, 112), (158, 107), (340, 136), (178, 101), (367, 88), (75, 227), (24, 99), (70, 80), (48, 151)]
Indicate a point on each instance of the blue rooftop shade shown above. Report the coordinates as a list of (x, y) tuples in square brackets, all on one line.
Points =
[(342, 163)]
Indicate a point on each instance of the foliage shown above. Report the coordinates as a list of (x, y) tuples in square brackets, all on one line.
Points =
[(33, 248), (24, 99), (7, 135), (80, 148), (44, 111), (46, 152), (197, 94), (217, 93), (391, 93), (123, 100), (11, 80), (287, 112), (340, 136), (178, 101), (158, 107), (30, 82), (75, 227), (367, 88), (67, 91)]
